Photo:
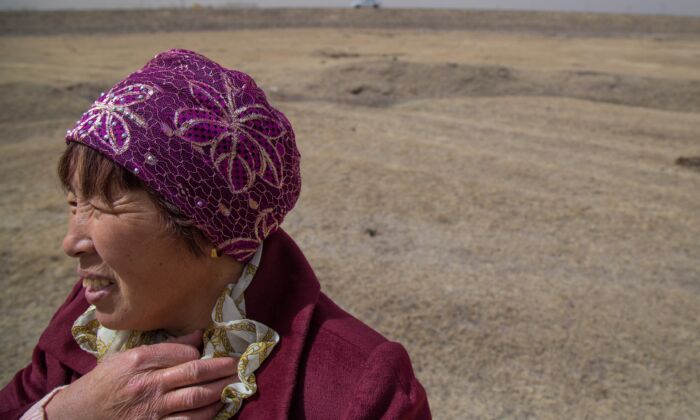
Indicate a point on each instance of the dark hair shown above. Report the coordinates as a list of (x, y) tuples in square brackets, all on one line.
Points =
[(107, 178)]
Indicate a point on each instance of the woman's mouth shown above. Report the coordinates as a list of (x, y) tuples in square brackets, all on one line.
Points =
[(97, 289)]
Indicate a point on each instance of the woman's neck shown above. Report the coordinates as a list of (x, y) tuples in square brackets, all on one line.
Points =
[(195, 314)]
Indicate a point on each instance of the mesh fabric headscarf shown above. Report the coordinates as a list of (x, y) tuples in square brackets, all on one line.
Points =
[(207, 140)]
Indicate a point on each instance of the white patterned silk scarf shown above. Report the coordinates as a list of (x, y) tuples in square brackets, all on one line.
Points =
[(229, 334)]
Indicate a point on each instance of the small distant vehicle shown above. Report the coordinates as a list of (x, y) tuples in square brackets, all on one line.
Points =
[(366, 3)]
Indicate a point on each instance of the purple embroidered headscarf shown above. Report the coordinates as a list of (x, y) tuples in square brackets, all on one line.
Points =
[(207, 140)]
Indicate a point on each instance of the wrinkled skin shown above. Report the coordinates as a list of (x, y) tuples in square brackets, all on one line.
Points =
[(164, 380), (157, 283)]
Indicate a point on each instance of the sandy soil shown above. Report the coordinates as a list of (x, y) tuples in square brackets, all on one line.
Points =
[(508, 203)]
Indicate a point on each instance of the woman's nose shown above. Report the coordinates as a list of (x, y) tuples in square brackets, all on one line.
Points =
[(77, 242)]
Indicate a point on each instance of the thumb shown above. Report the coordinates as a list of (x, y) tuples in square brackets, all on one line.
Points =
[(193, 339)]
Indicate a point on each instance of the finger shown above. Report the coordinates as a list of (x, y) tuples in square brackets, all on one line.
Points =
[(194, 397), (175, 350), (162, 355), (204, 413), (196, 372)]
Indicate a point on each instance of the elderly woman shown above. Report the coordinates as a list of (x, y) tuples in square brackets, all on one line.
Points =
[(192, 302)]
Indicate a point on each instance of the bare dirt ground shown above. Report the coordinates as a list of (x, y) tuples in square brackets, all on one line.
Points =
[(516, 200)]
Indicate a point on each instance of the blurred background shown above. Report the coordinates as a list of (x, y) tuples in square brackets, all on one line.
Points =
[(514, 195), (677, 7)]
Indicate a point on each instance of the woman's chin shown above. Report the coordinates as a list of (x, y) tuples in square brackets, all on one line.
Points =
[(122, 320), (109, 321), (113, 318)]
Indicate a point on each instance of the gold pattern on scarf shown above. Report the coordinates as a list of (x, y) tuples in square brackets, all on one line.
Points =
[(84, 334)]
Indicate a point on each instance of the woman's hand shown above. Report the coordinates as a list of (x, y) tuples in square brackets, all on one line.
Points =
[(166, 380)]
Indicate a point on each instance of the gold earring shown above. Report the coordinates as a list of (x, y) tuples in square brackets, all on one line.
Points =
[(214, 253)]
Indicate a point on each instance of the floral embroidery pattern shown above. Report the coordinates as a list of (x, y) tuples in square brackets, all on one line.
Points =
[(109, 116), (240, 133)]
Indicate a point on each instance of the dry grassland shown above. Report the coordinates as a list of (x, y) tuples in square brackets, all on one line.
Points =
[(507, 204)]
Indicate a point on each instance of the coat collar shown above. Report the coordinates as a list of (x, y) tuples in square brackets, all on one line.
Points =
[(282, 295)]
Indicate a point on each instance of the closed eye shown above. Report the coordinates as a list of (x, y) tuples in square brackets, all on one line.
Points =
[(71, 199), (101, 207), (74, 204)]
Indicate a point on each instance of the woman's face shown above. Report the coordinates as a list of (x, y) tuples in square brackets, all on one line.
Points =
[(136, 273)]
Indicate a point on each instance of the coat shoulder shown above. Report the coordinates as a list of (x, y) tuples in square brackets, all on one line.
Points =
[(344, 357), (331, 326)]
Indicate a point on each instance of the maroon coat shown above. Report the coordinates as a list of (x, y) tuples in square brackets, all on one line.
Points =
[(327, 365)]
